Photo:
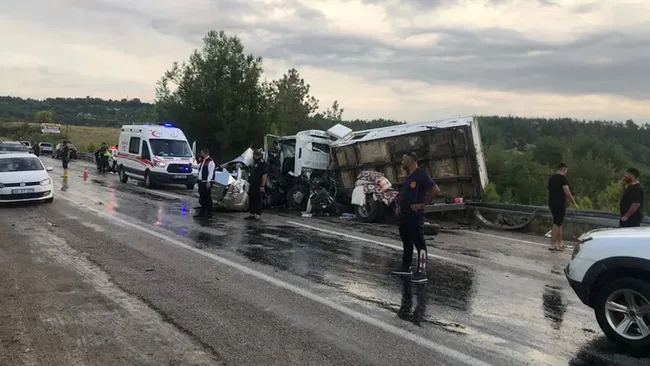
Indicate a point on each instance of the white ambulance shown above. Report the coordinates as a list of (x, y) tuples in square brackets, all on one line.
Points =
[(156, 154)]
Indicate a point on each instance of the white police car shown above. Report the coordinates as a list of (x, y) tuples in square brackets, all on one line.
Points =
[(23, 177), (610, 272)]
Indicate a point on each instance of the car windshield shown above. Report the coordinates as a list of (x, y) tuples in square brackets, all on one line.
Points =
[(173, 148), (20, 164), (45, 144), (13, 147)]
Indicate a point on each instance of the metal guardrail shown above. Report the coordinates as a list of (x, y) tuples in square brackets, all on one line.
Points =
[(85, 156), (576, 216)]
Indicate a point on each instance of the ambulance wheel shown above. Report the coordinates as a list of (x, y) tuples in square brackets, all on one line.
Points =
[(147, 180), (123, 177)]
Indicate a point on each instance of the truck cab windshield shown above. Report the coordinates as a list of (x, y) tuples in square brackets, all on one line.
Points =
[(171, 148)]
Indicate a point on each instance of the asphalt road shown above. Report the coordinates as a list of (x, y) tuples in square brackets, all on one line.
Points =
[(112, 273)]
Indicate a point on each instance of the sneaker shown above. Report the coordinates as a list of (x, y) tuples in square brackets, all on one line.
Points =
[(401, 271), (419, 277)]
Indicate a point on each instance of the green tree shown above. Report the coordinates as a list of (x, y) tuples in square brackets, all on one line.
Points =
[(216, 96), (291, 104), (609, 198), (44, 116)]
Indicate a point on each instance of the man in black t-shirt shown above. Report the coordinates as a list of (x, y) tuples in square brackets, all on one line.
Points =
[(558, 193), (257, 184), (632, 202)]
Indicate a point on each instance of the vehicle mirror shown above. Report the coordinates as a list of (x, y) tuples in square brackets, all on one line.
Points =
[(49, 169)]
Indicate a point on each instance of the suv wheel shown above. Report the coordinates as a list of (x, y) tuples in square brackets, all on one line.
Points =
[(622, 309)]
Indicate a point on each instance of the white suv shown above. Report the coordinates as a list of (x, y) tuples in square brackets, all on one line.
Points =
[(610, 272)]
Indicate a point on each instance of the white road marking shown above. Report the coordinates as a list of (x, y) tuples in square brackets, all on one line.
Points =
[(396, 247), (439, 348), (507, 238), (161, 193)]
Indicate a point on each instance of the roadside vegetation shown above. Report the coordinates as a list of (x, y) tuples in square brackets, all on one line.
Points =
[(220, 98)]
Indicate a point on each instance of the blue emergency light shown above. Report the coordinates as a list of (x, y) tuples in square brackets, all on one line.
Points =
[(168, 125)]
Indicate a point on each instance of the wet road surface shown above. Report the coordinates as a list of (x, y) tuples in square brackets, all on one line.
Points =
[(293, 290)]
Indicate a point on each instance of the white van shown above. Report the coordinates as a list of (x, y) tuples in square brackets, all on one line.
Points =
[(155, 154)]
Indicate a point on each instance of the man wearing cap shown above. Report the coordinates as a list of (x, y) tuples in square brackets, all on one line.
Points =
[(416, 192), (257, 182), (558, 193)]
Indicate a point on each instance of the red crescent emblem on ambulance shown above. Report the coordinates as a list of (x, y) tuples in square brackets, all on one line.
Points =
[(155, 133)]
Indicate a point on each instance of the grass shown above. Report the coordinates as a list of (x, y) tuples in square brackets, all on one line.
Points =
[(85, 138)]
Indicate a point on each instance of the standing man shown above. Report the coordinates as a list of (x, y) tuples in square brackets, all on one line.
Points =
[(206, 177), (65, 159), (417, 191), (257, 182), (632, 202), (558, 193), (37, 149)]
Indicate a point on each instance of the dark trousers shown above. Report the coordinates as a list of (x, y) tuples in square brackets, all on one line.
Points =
[(254, 200), (65, 163), (205, 198), (412, 234)]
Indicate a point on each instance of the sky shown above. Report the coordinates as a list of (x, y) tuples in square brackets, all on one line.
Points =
[(412, 60)]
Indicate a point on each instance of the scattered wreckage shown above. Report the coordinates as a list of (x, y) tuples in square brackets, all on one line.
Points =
[(329, 171)]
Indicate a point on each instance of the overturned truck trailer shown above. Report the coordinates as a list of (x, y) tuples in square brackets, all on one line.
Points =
[(450, 150)]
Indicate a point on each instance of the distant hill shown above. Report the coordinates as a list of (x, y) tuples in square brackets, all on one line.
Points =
[(78, 111)]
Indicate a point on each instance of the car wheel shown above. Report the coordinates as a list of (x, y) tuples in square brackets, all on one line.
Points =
[(49, 200), (372, 211), (123, 177), (622, 310)]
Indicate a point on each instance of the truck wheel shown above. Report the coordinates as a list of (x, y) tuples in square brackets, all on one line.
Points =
[(123, 177), (621, 308), (297, 197), (372, 211)]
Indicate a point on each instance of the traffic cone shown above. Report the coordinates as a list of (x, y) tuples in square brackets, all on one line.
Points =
[(85, 174)]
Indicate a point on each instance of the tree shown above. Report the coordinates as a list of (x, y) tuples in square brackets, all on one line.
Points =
[(44, 116), (291, 104), (216, 96)]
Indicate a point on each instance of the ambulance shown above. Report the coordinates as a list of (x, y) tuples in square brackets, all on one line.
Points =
[(156, 154)]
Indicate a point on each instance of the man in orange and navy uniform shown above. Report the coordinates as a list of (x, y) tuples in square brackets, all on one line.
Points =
[(416, 192)]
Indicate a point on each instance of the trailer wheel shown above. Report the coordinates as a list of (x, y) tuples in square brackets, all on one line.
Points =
[(372, 211), (297, 197)]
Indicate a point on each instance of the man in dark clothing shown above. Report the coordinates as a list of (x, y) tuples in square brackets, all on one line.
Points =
[(416, 192), (257, 184), (65, 159), (632, 202), (558, 193), (37, 149), (206, 178)]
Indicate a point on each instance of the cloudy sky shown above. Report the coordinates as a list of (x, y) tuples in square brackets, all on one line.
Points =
[(409, 60)]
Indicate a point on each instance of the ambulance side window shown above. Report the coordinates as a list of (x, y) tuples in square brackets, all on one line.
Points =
[(145, 151), (134, 145)]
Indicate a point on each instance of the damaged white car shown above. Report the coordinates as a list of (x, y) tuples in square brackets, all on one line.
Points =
[(230, 190)]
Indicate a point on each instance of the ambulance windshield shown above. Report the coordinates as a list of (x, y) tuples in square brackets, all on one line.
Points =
[(170, 148)]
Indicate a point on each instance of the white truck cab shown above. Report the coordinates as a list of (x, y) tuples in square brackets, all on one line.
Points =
[(155, 154), (302, 153)]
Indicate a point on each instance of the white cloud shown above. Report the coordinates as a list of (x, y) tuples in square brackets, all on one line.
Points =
[(393, 59)]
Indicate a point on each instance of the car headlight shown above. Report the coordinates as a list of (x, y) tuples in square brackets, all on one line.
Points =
[(160, 164), (46, 182)]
